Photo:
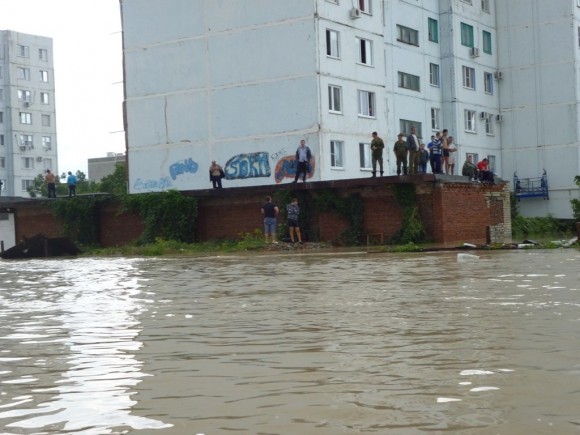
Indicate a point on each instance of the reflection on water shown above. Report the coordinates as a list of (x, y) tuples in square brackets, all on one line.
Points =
[(292, 344)]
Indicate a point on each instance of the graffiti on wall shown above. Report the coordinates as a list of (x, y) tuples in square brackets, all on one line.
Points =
[(286, 168), (250, 165), (181, 167), (159, 184)]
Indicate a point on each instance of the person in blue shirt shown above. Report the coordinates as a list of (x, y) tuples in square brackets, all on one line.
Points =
[(71, 180)]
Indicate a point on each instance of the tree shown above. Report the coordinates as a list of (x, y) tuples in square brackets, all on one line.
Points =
[(38, 187), (576, 202), (116, 183)]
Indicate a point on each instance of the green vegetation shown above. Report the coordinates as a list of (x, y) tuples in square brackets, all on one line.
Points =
[(80, 220), (412, 230), (350, 208), (575, 203)]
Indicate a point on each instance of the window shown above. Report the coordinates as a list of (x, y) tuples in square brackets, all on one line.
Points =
[(23, 73), (488, 82), (435, 118), (334, 99), (25, 118), (27, 163), (336, 148), (489, 124), (470, 120), (365, 155), (433, 30), (409, 81), (486, 42), (578, 41), (26, 140), (22, 51), (46, 120), (365, 6), (406, 125), (332, 43), (491, 163), (466, 1), (485, 6), (466, 35), (46, 143), (407, 35), (43, 54), (26, 184), (44, 76), (366, 103), (434, 74), (24, 95), (468, 77), (2, 140), (474, 157), (1, 117), (2, 162), (44, 97), (3, 187), (1, 94), (365, 52), (0, 71)]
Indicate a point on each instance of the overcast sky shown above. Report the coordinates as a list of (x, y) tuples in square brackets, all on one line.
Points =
[(87, 58)]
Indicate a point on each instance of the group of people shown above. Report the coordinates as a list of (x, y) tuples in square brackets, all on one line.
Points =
[(270, 211), (50, 181), (479, 172)]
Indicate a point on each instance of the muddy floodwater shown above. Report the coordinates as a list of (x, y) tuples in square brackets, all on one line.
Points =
[(305, 344)]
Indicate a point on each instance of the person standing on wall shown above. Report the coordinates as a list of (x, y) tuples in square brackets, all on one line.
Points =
[(293, 210), (400, 150), (413, 147), (377, 146), (216, 173), (270, 212), (71, 180), (50, 181), (303, 156)]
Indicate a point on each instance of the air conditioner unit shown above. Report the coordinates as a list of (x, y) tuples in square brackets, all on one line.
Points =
[(498, 75), (498, 118), (482, 115), (39, 159), (474, 52), (355, 13), (27, 104), (22, 147)]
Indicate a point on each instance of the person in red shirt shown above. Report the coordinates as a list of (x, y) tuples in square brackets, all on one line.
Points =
[(485, 175)]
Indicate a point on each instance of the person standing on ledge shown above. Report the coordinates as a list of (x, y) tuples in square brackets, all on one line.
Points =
[(216, 173), (270, 212), (303, 156), (71, 180), (50, 181), (377, 146)]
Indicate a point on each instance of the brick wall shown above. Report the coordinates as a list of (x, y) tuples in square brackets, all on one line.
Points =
[(452, 211)]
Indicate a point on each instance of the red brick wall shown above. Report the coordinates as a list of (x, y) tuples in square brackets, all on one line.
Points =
[(451, 212)]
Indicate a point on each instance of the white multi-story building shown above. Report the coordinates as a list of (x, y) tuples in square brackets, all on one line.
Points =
[(27, 111), (241, 82)]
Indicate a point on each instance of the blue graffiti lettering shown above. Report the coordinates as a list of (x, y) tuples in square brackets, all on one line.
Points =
[(251, 165), (179, 168), (161, 184)]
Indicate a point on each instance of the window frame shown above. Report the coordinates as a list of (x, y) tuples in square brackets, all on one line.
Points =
[(337, 154), (43, 54), (330, 46), (406, 124), (486, 42), (25, 118), (44, 98), (434, 75), (405, 35), (45, 120), (435, 118), (332, 99), (23, 73), (26, 184), (47, 143), (488, 82), (407, 81), (365, 51), (365, 6), (24, 95), (365, 156), (433, 30), (467, 38), (369, 104), (22, 50), (26, 140), (468, 77), (470, 117), (489, 124), (43, 75), (486, 6)]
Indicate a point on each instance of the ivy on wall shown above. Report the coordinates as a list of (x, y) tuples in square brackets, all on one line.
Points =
[(79, 217), (412, 230), (167, 215), (350, 208)]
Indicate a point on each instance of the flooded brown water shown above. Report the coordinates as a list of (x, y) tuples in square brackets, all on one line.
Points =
[(292, 344)]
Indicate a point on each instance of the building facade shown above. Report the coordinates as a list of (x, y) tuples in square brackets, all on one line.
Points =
[(28, 144), (243, 82), (100, 167)]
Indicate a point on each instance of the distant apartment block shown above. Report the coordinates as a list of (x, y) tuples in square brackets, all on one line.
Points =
[(100, 167), (28, 144), (242, 82)]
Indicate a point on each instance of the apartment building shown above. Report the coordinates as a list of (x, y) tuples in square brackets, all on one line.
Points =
[(242, 82), (27, 110)]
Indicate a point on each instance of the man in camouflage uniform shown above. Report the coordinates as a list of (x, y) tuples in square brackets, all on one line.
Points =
[(377, 146), (400, 150)]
